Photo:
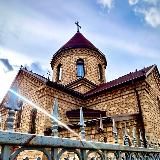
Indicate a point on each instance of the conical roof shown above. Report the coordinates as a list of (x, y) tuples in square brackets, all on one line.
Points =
[(77, 41)]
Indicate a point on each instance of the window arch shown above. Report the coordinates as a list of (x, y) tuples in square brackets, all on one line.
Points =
[(59, 72), (100, 72), (80, 68), (33, 117)]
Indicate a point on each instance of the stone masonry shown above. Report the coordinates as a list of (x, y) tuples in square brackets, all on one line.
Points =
[(132, 100)]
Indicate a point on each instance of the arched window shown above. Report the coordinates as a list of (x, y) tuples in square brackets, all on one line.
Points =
[(80, 68), (100, 72), (33, 116), (59, 72), (19, 114)]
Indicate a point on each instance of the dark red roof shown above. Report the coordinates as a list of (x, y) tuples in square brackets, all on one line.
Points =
[(86, 112), (121, 80), (78, 41)]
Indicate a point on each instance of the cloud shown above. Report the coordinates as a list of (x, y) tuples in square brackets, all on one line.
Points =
[(106, 3), (152, 2), (133, 2), (130, 46), (6, 64), (151, 16), (36, 67), (149, 9)]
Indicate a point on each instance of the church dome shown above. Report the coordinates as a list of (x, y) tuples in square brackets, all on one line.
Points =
[(76, 59), (78, 41)]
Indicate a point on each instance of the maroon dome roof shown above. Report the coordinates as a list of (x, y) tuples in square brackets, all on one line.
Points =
[(78, 41)]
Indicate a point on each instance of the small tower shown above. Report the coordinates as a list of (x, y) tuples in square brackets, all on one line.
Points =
[(78, 59)]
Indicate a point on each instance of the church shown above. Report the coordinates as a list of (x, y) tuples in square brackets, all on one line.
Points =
[(133, 100)]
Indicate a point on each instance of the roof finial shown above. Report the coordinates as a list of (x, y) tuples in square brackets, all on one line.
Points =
[(78, 26)]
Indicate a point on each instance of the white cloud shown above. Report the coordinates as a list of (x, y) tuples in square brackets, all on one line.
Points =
[(149, 9), (106, 3), (21, 58), (152, 2), (151, 16), (133, 2), (130, 46), (17, 59), (6, 80)]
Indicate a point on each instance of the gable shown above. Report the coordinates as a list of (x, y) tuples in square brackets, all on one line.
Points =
[(153, 79), (82, 85)]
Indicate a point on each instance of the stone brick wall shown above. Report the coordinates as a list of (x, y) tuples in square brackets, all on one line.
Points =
[(68, 60), (115, 102), (82, 88), (151, 108), (119, 103), (66, 102), (28, 88)]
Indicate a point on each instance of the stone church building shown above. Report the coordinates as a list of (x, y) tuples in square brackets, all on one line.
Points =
[(132, 100)]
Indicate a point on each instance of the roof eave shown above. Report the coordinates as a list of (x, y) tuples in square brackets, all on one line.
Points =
[(65, 49), (115, 87)]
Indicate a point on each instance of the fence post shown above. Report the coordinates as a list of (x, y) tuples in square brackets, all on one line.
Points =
[(141, 139), (134, 139), (83, 154), (115, 134), (55, 119), (54, 153), (10, 120), (82, 125), (6, 152), (126, 137)]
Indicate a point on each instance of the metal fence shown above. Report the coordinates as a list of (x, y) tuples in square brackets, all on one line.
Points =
[(55, 148)]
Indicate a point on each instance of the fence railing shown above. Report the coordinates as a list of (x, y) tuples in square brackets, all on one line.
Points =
[(55, 148)]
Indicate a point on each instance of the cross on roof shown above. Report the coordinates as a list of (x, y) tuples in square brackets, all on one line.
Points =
[(49, 74), (78, 26)]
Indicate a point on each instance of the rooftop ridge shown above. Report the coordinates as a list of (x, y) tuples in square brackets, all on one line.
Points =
[(40, 77), (120, 80), (52, 84), (140, 70), (78, 40)]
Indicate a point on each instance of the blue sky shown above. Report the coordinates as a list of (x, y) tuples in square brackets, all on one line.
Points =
[(126, 31)]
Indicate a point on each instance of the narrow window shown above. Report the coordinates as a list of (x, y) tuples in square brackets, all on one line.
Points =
[(18, 118), (19, 114), (100, 72), (33, 116), (80, 68), (158, 101), (59, 72)]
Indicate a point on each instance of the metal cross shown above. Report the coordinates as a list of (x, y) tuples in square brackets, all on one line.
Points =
[(49, 74), (78, 26)]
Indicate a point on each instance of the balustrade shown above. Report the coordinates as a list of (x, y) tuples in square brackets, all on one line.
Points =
[(53, 147)]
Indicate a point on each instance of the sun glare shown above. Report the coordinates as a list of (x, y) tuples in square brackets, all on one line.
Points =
[(6, 80)]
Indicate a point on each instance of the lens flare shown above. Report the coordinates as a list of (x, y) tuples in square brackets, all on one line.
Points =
[(49, 115), (43, 111)]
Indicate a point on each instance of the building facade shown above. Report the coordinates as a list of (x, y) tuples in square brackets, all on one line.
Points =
[(79, 80)]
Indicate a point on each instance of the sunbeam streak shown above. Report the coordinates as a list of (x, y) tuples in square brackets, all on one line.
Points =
[(44, 112), (49, 115)]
